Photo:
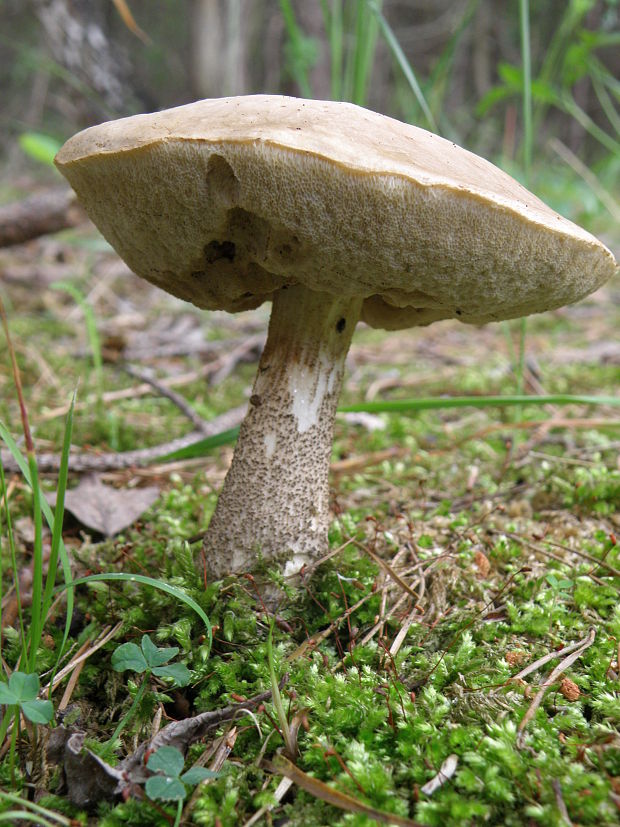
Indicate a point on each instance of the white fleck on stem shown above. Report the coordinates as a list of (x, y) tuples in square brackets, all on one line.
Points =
[(275, 499)]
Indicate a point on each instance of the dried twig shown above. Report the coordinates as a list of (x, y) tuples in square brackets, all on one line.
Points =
[(559, 800), (386, 566), (382, 618), (532, 667), (229, 361), (163, 390), (355, 464), (315, 640), (71, 684), (106, 634), (144, 388), (550, 680), (181, 734), (555, 424), (534, 547), (402, 632), (281, 790), (222, 749), (126, 459)]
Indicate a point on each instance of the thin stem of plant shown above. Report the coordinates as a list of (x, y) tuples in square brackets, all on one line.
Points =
[(277, 699), (129, 715)]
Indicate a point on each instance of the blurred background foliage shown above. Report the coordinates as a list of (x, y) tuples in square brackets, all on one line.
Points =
[(455, 66)]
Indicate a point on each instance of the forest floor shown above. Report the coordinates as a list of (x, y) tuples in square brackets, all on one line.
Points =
[(466, 546)]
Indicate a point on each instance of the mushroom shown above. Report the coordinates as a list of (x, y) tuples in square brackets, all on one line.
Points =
[(333, 213)]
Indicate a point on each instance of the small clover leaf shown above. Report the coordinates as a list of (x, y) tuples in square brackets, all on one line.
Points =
[(165, 788), (6, 696), (24, 686), (179, 673), (167, 760), (39, 712), (168, 784), (197, 774), (559, 584), (22, 690), (129, 656), (156, 656), (150, 660)]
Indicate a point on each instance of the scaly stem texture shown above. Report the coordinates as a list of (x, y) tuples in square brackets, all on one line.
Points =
[(275, 499)]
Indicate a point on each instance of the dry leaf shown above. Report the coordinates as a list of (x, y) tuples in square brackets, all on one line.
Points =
[(105, 509), (88, 779), (569, 689), (515, 657), (481, 562)]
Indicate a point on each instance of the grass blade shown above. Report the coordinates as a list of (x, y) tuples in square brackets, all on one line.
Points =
[(568, 103), (94, 339), (2, 497), (605, 101), (36, 809), (526, 62), (173, 591), (203, 445), (59, 508), (611, 204), (299, 58), (344, 801), (401, 59), (49, 517), (33, 635), (36, 617), (363, 54), (13, 557), (277, 699), (441, 73), (57, 548), (17, 816), (436, 403), (333, 21)]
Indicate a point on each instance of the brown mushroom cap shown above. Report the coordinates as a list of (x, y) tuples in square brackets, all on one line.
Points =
[(222, 202)]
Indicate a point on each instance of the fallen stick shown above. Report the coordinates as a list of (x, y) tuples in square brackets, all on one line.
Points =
[(40, 214), (200, 424), (114, 461)]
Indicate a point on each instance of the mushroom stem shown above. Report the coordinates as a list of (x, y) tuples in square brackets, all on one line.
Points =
[(275, 498)]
